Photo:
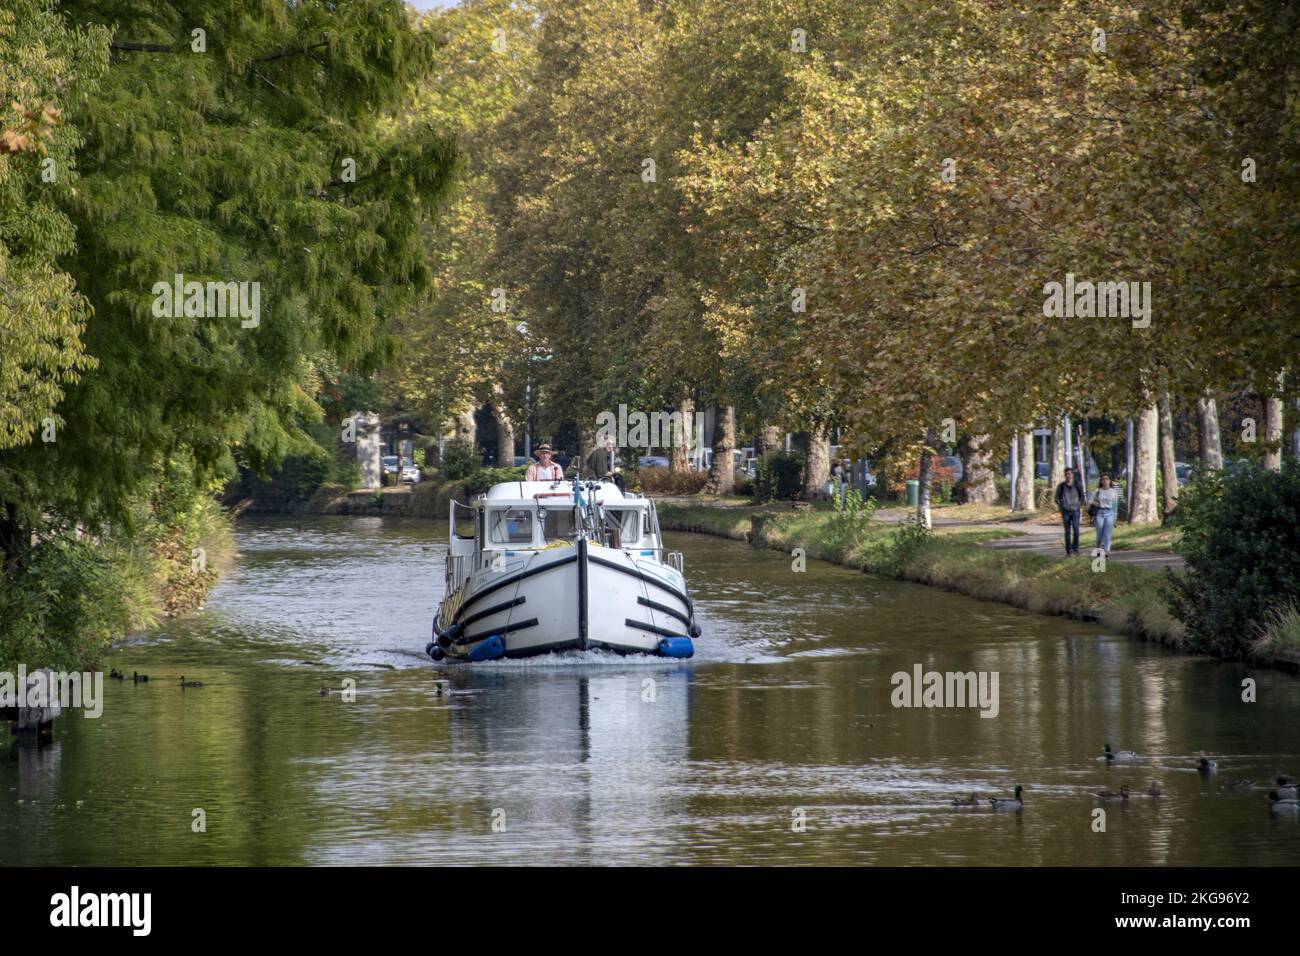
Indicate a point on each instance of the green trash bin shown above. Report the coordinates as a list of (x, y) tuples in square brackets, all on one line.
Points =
[(913, 492)]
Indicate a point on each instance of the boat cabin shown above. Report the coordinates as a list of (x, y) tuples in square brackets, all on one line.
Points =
[(519, 516)]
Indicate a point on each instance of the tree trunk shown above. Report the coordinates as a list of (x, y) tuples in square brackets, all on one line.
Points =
[(505, 428), (1295, 433), (679, 458), (1207, 420), (1273, 433), (923, 488), (1146, 452), (1168, 459), (1025, 476), (768, 438), (1056, 473), (817, 465), (722, 475), (15, 539), (463, 427), (977, 486)]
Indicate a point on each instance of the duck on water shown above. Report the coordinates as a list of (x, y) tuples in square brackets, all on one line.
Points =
[(561, 565)]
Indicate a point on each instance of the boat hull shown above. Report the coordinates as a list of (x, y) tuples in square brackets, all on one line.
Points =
[(577, 597)]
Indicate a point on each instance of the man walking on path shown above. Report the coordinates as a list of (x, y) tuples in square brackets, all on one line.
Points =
[(1070, 497)]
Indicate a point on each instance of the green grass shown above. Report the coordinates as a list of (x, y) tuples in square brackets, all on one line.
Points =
[(1279, 633), (1124, 598)]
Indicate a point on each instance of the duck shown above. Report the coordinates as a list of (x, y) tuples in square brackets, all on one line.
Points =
[(1009, 803), (1112, 795), (1205, 766), (116, 674), (190, 683), (1119, 756), (1287, 789), (324, 691), (1282, 804), (139, 678), (972, 801), (1153, 790)]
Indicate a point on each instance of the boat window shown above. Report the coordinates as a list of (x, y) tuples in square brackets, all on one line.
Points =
[(626, 521), (512, 526), (559, 524)]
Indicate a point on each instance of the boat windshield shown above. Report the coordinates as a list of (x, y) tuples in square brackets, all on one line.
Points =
[(626, 522), (511, 526), (560, 524)]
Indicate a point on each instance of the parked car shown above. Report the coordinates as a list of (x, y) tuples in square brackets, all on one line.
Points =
[(410, 473), (390, 465), (522, 461), (1183, 470), (653, 461), (952, 464), (1042, 470)]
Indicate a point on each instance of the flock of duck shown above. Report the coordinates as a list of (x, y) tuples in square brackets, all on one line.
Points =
[(139, 678), (1284, 799)]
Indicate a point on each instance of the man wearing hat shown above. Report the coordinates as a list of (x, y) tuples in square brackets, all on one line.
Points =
[(544, 469)]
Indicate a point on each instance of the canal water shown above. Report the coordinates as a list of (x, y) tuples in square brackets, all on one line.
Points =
[(777, 744)]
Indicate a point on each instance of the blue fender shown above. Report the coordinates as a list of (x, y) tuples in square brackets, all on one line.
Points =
[(677, 647), (494, 648)]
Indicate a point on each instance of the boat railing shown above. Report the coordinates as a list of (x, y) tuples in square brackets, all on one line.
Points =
[(457, 569), (675, 561)]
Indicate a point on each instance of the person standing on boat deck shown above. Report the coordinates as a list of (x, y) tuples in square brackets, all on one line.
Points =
[(1102, 508), (1070, 497), (544, 469), (602, 463)]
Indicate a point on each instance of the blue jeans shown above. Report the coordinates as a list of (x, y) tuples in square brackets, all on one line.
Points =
[(1105, 521), (1070, 519)]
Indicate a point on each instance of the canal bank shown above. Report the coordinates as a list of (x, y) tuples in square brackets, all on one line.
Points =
[(1124, 597)]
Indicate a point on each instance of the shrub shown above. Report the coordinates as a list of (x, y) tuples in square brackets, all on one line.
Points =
[(484, 478), (665, 481), (71, 597), (907, 541), (940, 476), (778, 475), (1278, 631), (849, 519), (1241, 541), (460, 459)]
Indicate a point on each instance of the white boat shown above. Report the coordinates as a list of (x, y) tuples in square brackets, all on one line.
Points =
[(563, 565)]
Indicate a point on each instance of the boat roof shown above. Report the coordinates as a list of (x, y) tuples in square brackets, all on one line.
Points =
[(555, 492)]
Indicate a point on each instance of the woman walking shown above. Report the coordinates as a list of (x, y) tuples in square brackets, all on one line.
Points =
[(1104, 502)]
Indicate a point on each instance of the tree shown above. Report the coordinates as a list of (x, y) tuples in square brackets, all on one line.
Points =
[(1168, 459), (1207, 420), (1146, 452), (43, 63), (978, 484), (260, 160), (722, 476), (1024, 476)]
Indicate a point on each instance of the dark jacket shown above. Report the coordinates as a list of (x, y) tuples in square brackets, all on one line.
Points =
[(598, 463), (1079, 504)]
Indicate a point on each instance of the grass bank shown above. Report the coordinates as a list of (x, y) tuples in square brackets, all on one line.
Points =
[(1124, 598)]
